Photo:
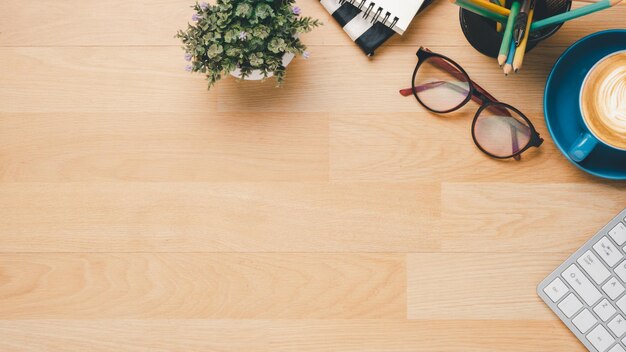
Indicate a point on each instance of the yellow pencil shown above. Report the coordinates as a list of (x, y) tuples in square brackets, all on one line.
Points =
[(521, 50), (492, 7), (499, 26)]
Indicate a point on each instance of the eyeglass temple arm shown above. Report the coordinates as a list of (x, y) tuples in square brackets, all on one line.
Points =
[(435, 84)]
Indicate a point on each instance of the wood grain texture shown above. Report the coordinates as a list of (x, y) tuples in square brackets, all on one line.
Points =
[(164, 147), (478, 286), (531, 218), (139, 212), (369, 335), (100, 80), (121, 80), (218, 217), (134, 23), (202, 285), (416, 147)]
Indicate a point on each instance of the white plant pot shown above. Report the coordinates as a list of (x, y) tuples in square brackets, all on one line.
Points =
[(257, 75)]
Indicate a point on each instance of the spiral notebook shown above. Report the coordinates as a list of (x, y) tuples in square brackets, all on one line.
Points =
[(370, 23)]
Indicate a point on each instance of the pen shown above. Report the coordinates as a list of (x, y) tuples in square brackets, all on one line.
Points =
[(521, 49), (521, 21)]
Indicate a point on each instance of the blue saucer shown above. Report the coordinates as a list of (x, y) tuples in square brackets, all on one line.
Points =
[(562, 98)]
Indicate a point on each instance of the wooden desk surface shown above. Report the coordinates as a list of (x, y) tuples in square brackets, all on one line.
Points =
[(139, 212)]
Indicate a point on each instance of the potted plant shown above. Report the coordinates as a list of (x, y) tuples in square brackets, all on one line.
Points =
[(250, 39)]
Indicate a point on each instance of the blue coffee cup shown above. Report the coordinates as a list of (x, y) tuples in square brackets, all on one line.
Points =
[(562, 106), (588, 141)]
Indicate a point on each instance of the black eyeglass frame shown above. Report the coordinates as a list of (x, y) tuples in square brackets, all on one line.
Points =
[(485, 99)]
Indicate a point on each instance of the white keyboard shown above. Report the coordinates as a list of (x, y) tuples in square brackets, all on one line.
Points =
[(588, 290)]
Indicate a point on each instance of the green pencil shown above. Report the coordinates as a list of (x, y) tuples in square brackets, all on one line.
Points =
[(480, 10), (570, 15), (508, 33)]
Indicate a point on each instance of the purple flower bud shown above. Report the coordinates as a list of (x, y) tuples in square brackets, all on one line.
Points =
[(196, 17), (188, 57), (243, 36), (188, 68), (297, 10), (204, 5), (306, 55)]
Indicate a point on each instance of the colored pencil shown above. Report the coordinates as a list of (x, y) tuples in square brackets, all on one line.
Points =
[(492, 7), (499, 26), (480, 11), (570, 15), (508, 67), (521, 49), (508, 33)]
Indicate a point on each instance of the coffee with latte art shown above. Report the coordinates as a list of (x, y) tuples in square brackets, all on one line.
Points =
[(603, 100)]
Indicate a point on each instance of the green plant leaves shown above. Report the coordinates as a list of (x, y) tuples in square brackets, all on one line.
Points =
[(277, 45), (244, 10), (214, 50), (256, 60), (263, 11), (245, 34)]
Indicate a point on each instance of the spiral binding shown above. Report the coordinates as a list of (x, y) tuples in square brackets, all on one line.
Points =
[(369, 11)]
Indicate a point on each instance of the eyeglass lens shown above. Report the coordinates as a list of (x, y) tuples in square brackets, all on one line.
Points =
[(501, 131), (440, 85)]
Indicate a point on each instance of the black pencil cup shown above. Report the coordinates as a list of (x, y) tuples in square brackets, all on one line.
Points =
[(482, 34)]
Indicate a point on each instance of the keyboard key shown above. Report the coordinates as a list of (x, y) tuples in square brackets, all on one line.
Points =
[(600, 338), (618, 326), (592, 266), (613, 288), (587, 291), (556, 289), (617, 348), (608, 252), (620, 270), (585, 320), (605, 310), (570, 305), (621, 304), (618, 234)]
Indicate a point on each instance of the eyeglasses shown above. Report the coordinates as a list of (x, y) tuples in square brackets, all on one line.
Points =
[(442, 86)]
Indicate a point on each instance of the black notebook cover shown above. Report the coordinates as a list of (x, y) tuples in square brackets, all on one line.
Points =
[(376, 33)]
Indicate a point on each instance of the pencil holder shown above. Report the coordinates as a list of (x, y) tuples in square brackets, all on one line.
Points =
[(482, 34)]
